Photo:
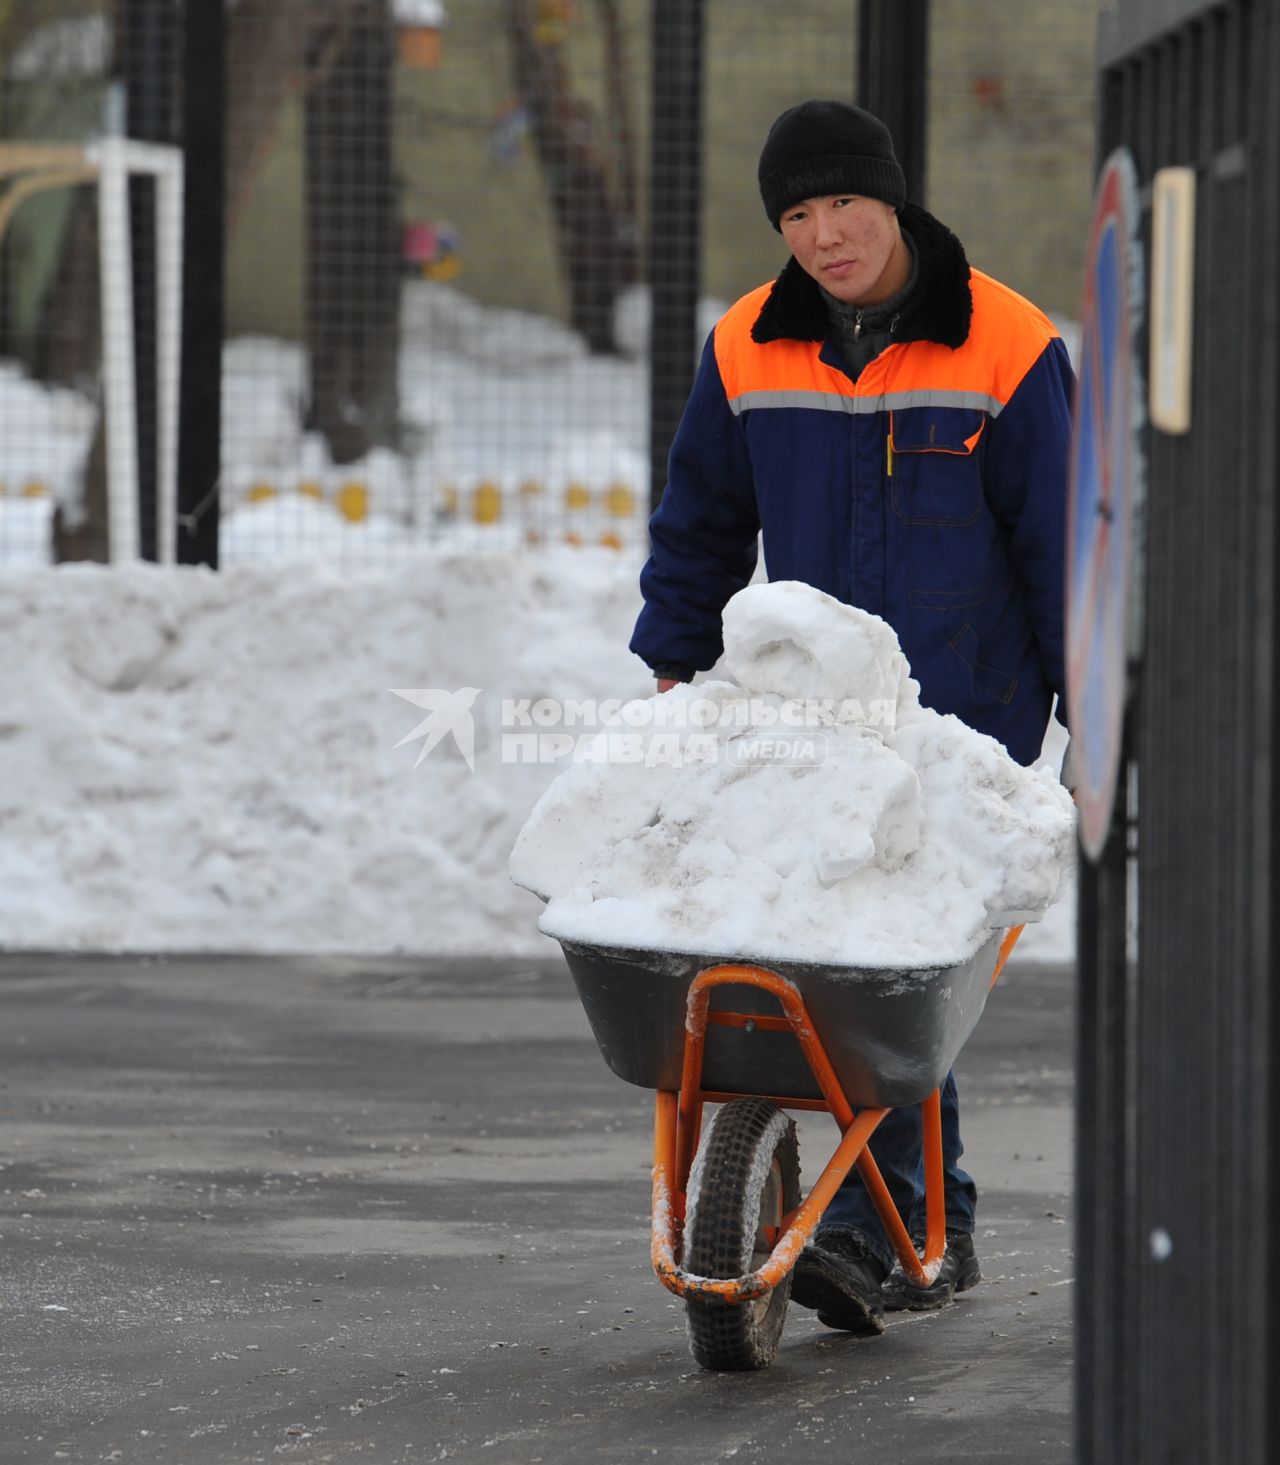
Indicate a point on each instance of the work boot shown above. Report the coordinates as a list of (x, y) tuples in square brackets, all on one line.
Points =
[(838, 1276), (959, 1271)]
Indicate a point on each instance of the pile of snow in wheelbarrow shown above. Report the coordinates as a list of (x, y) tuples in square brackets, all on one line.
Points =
[(808, 810)]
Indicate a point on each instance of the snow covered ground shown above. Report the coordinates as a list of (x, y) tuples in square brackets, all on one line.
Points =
[(208, 761)]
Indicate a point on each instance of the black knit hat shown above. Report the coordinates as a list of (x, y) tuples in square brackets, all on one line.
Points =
[(818, 148)]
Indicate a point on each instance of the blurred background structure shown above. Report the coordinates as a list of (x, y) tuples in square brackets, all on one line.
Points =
[(1178, 1070), (421, 294)]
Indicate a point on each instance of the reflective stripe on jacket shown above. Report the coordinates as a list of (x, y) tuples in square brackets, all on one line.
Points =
[(930, 491)]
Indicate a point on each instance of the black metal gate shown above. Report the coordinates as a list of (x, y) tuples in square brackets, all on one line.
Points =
[(1179, 1063)]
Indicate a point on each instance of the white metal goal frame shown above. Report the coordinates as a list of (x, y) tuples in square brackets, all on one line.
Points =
[(29, 168)]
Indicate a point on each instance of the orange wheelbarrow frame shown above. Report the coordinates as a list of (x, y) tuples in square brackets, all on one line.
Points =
[(678, 1125)]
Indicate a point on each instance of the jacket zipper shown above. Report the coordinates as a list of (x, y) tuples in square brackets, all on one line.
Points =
[(857, 325)]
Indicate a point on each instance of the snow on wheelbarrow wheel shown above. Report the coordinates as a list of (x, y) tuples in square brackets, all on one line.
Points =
[(745, 1179)]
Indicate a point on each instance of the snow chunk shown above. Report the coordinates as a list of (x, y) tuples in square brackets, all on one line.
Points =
[(901, 840), (791, 639)]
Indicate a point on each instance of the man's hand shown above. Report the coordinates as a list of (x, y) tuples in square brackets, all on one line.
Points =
[(665, 684)]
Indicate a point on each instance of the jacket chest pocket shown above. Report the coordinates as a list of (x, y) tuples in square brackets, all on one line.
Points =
[(935, 469)]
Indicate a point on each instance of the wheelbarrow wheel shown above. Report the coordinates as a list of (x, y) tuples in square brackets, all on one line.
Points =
[(745, 1179)]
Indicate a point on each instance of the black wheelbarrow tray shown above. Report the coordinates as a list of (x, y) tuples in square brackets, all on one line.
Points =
[(728, 1220)]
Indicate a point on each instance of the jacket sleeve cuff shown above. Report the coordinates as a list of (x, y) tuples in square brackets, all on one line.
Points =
[(673, 673)]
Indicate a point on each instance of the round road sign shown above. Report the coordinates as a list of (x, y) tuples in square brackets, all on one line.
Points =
[(1102, 586)]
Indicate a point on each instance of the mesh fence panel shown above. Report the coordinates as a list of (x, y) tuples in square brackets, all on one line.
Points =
[(434, 306), (56, 57), (437, 313)]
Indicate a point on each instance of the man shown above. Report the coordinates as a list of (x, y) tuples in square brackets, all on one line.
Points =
[(895, 427)]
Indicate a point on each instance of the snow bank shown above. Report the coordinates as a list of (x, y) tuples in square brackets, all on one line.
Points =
[(199, 761), (889, 835)]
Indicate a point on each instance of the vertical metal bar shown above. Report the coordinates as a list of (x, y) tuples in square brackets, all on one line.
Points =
[(935, 1203), (169, 183), (1104, 1156), (1261, 854), (1188, 100), (1232, 101), (893, 78), (1102, 1140), (203, 234), (689, 1106), (118, 381), (148, 118), (675, 208), (663, 1239)]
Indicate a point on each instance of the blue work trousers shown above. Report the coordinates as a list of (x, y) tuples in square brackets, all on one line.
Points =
[(898, 1150)]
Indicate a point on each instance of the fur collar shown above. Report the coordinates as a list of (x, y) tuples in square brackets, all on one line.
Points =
[(939, 309)]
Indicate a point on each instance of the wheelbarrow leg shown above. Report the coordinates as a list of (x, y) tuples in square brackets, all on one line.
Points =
[(923, 1269), (920, 1270)]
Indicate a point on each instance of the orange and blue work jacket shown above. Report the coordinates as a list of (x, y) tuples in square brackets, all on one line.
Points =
[(930, 490)]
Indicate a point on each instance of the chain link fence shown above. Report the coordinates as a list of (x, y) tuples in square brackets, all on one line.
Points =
[(438, 235)]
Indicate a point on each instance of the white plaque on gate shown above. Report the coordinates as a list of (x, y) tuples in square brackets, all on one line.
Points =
[(1173, 242)]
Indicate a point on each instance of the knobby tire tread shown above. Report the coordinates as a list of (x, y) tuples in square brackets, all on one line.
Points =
[(721, 1231)]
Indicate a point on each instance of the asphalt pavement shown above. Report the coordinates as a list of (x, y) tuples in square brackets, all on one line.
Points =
[(380, 1211)]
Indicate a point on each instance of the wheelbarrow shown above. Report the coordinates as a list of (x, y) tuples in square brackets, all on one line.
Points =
[(728, 1219)]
